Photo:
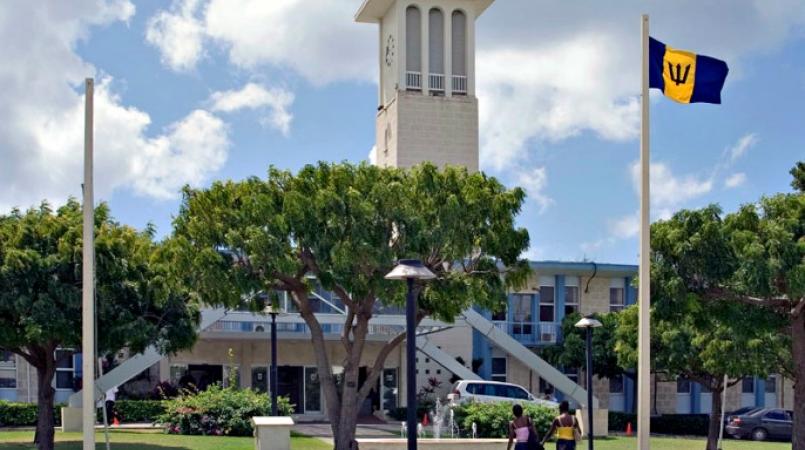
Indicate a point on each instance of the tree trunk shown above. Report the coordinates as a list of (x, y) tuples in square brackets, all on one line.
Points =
[(45, 422), (714, 429), (798, 340)]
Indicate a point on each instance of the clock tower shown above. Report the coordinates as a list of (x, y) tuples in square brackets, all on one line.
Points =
[(427, 106)]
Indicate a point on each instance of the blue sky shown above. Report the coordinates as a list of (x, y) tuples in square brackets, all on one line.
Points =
[(195, 90)]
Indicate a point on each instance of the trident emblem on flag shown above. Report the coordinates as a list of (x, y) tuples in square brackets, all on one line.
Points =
[(678, 78)]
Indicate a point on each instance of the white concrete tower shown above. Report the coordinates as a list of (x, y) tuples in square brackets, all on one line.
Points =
[(427, 106)]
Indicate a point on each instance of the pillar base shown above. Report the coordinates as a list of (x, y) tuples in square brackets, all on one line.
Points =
[(600, 422), (71, 420)]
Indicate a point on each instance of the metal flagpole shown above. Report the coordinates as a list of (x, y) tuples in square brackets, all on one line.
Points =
[(644, 332), (88, 282)]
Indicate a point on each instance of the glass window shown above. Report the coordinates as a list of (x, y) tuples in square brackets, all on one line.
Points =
[(516, 393), (547, 301), (748, 385), (705, 389), (499, 316), (521, 304), (459, 40), (436, 39), (475, 388), (312, 389), (682, 386), (8, 370), (259, 379), (65, 366), (64, 359), (571, 299), (499, 366), (771, 385), (616, 385), (616, 299), (776, 414)]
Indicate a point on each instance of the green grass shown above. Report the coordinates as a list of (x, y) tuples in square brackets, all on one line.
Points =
[(134, 440), (139, 440), (624, 443)]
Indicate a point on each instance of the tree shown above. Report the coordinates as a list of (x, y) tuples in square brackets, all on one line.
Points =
[(347, 226), (138, 302), (572, 351), (692, 336)]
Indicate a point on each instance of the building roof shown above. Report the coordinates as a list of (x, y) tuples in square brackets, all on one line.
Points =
[(372, 10), (584, 268)]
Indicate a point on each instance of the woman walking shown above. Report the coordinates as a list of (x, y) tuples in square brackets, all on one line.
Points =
[(522, 430), (565, 426)]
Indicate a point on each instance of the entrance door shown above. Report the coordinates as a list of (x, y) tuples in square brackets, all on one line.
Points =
[(770, 396), (288, 385), (205, 375), (372, 401), (390, 389), (682, 396), (312, 390), (259, 379), (748, 392)]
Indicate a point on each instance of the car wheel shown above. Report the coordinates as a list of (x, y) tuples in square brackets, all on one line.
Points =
[(759, 434)]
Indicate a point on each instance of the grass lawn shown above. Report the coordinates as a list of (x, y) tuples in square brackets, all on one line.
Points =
[(624, 443), (133, 440)]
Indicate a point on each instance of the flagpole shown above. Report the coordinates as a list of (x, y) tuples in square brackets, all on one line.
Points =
[(88, 281), (644, 332)]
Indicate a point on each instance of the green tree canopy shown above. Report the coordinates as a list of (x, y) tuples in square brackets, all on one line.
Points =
[(571, 352), (138, 303), (347, 225)]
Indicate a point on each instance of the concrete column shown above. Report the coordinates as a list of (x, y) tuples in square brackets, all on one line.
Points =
[(425, 50), (448, 53), (471, 54)]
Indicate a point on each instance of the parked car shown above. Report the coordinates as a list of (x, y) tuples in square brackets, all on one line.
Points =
[(493, 391), (762, 424), (738, 412)]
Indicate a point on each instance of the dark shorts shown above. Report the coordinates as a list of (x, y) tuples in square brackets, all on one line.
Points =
[(562, 444), (521, 446)]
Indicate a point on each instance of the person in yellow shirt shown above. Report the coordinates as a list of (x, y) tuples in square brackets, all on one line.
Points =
[(565, 426)]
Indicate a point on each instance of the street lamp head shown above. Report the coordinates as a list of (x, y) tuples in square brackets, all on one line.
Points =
[(410, 269), (588, 322), (273, 309)]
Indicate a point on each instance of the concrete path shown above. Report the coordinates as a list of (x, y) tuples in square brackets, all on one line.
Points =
[(324, 433)]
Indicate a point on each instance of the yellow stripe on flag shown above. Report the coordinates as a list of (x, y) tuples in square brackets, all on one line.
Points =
[(679, 73)]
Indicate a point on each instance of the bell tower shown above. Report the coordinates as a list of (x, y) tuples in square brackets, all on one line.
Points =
[(427, 108)]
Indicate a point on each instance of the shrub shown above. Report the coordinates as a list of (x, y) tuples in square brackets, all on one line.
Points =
[(132, 411), (492, 419), (18, 414), (218, 411), (619, 420)]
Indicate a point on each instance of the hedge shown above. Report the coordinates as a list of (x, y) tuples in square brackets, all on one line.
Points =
[(18, 414), (674, 424), (492, 419)]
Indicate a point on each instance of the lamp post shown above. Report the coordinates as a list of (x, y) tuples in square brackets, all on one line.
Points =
[(589, 323), (410, 270), (273, 311)]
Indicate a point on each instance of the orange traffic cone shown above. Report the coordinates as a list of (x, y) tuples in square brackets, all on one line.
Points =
[(425, 420), (116, 422), (629, 429)]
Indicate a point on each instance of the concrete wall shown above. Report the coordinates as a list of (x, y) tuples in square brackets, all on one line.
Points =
[(456, 340)]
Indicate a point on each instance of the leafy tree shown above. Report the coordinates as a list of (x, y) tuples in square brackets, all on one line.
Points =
[(697, 331), (347, 226), (138, 303), (572, 351)]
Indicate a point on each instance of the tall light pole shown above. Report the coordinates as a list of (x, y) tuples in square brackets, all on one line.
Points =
[(589, 323), (273, 311), (410, 270)]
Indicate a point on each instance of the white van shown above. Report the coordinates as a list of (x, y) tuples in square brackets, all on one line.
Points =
[(493, 391)]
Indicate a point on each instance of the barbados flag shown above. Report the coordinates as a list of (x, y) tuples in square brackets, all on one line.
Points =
[(685, 76)]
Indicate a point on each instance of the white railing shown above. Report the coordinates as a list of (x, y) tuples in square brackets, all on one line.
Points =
[(548, 332), (436, 82), (459, 84), (413, 80)]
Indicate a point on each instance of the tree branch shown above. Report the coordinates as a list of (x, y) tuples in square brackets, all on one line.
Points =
[(776, 304), (377, 368)]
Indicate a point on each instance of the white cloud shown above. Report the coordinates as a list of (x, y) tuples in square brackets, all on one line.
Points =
[(626, 226), (178, 34), (669, 190), (742, 146), (735, 180), (41, 115), (534, 182), (275, 101), (312, 41)]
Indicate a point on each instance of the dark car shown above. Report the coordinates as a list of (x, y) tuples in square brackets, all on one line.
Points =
[(762, 424), (738, 412)]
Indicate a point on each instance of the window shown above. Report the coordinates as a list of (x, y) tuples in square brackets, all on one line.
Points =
[(260, 379), (8, 370), (413, 41), (682, 386), (776, 414), (515, 392), (499, 316), (616, 385), (436, 48), (547, 301), (771, 385), (748, 385), (617, 299), (177, 372), (571, 295), (65, 369), (521, 304), (459, 52), (499, 369), (475, 388)]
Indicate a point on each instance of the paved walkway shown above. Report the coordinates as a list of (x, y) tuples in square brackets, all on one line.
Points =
[(322, 430)]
